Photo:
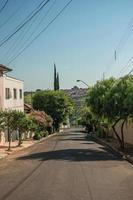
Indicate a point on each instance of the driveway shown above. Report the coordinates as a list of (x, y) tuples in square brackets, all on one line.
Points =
[(69, 166)]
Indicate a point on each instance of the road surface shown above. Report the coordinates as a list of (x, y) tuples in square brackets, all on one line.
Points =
[(69, 166)]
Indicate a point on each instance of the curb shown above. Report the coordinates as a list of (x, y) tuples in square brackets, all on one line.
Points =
[(23, 148), (123, 155)]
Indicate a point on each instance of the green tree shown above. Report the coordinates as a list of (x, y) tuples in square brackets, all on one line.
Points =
[(56, 79), (111, 101), (21, 124), (119, 106), (96, 96), (87, 119), (9, 124), (2, 122), (57, 82), (55, 103)]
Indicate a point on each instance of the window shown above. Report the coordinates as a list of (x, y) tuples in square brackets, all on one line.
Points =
[(15, 93), (8, 93), (20, 93)]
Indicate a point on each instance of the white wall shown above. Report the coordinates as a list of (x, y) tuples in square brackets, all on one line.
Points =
[(15, 104), (1, 92)]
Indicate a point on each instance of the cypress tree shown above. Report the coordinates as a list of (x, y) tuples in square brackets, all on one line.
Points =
[(55, 78), (57, 82)]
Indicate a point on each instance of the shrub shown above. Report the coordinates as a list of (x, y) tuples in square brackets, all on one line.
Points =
[(50, 129), (45, 133), (37, 136)]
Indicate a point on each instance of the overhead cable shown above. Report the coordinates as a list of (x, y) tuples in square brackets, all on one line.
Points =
[(41, 32), (22, 25)]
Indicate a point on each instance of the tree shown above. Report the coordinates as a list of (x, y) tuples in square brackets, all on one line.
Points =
[(56, 79), (2, 122), (55, 103), (21, 124), (87, 119), (9, 124), (119, 106), (57, 82), (111, 101), (96, 96)]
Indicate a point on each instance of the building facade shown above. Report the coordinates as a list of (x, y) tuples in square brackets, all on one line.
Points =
[(11, 91)]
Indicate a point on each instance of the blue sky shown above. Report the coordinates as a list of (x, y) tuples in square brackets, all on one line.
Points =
[(81, 41)]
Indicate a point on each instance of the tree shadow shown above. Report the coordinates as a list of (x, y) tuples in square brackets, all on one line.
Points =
[(89, 142), (73, 155), (77, 137), (71, 134)]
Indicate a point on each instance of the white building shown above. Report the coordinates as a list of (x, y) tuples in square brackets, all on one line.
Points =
[(11, 91)]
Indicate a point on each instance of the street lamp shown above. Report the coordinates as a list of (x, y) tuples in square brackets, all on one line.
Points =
[(83, 82)]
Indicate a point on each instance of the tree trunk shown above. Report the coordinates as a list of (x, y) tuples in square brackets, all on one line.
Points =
[(53, 126), (122, 134), (20, 139), (9, 139), (118, 137)]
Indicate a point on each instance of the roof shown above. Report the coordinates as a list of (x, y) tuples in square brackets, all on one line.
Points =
[(4, 69), (28, 107)]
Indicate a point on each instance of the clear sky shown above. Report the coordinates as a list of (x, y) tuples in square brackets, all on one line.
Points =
[(81, 42)]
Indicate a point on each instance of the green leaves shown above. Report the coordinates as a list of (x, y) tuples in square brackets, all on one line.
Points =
[(97, 96), (55, 103)]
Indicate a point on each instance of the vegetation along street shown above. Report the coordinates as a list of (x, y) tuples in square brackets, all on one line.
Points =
[(66, 100)]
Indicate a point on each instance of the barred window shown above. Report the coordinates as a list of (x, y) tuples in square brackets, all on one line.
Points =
[(15, 93), (20, 93), (8, 93)]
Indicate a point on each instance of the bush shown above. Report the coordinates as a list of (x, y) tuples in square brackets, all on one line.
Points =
[(45, 133), (50, 129), (37, 136)]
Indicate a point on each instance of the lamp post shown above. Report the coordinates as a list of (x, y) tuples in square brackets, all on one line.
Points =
[(83, 82)]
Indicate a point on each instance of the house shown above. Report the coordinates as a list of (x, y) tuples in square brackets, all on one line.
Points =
[(11, 91)]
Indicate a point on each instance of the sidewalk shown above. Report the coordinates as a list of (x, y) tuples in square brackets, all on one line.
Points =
[(14, 146), (112, 143)]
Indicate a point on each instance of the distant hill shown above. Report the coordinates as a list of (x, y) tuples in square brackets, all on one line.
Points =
[(78, 95), (76, 92)]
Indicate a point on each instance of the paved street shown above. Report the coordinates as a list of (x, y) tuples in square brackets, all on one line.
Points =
[(69, 166)]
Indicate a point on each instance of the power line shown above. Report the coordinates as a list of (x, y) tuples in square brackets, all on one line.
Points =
[(2, 8), (23, 24), (130, 61), (10, 17), (33, 32), (41, 32), (120, 45)]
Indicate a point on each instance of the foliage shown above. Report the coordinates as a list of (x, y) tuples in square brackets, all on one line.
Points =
[(21, 124), (44, 133), (56, 79), (37, 136), (42, 120), (55, 103), (96, 96), (2, 122), (9, 123), (111, 101)]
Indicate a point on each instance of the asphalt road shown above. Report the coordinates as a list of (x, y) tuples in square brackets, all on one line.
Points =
[(69, 166)]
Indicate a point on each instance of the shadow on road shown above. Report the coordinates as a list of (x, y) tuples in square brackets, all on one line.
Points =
[(73, 155)]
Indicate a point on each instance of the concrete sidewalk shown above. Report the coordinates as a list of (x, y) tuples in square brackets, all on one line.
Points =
[(15, 148), (126, 153)]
